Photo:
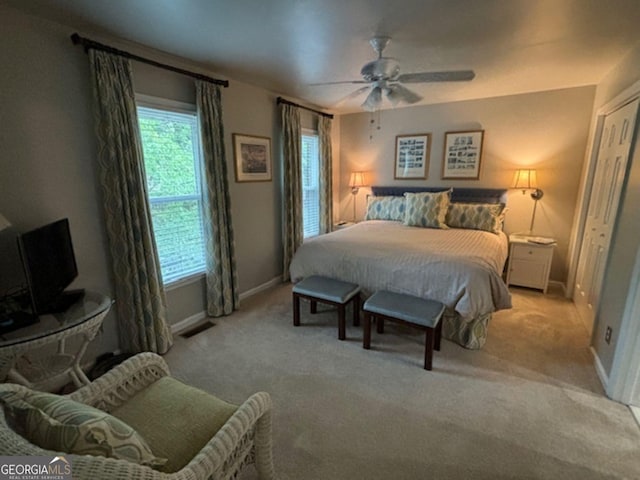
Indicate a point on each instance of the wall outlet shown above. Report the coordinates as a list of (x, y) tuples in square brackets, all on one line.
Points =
[(607, 335)]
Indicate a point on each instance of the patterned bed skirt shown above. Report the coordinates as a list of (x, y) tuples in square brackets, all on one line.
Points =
[(470, 334)]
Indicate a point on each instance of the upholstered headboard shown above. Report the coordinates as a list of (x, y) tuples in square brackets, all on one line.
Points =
[(461, 195)]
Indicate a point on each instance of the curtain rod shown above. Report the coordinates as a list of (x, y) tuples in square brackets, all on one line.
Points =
[(287, 102), (87, 44)]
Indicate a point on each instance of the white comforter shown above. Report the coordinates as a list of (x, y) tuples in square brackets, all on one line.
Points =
[(460, 268)]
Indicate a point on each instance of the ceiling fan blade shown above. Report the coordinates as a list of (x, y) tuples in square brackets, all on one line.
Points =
[(398, 93), (337, 83), (450, 76), (373, 101), (351, 95)]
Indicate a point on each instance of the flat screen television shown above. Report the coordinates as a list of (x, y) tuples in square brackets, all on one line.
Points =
[(50, 266)]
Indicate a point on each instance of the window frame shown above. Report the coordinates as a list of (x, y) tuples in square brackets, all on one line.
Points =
[(308, 132), (158, 103)]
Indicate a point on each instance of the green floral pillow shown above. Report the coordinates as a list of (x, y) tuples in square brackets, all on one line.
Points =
[(58, 423), (385, 208), (427, 209), (476, 216)]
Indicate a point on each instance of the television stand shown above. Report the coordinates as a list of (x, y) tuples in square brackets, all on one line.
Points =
[(47, 368), (15, 320), (63, 301)]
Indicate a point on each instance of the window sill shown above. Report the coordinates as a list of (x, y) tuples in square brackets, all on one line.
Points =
[(193, 278)]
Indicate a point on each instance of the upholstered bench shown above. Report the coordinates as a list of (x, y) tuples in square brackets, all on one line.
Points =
[(406, 309), (331, 291)]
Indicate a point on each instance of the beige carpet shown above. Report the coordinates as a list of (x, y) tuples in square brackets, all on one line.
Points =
[(529, 405)]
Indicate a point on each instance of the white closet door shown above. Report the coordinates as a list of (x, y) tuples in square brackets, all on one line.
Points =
[(611, 166)]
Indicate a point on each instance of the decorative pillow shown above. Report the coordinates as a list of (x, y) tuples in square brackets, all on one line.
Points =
[(476, 216), (385, 208), (427, 209), (58, 423)]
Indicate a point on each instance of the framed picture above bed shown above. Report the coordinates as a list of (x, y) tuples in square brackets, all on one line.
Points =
[(412, 156), (252, 157), (462, 155)]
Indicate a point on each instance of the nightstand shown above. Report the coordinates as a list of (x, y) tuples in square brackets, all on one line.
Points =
[(341, 225), (530, 261)]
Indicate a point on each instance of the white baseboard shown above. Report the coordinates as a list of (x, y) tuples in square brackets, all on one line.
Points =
[(197, 318), (260, 288), (559, 284), (188, 322), (602, 374)]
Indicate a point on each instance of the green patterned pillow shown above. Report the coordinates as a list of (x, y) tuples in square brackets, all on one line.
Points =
[(385, 208), (427, 209), (58, 423), (476, 216)]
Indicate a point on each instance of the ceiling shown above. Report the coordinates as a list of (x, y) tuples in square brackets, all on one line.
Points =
[(514, 46)]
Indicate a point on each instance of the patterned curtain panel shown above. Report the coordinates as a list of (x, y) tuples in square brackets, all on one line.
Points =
[(135, 265), (326, 174), (222, 277), (292, 163)]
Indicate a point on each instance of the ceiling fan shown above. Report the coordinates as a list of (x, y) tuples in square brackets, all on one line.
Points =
[(383, 77)]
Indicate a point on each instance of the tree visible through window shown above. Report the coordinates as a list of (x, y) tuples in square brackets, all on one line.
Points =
[(310, 185), (172, 160)]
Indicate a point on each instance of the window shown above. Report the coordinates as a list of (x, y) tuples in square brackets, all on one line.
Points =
[(310, 185), (172, 160)]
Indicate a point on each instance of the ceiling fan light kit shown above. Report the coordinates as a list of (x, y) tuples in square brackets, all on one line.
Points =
[(373, 100), (384, 77)]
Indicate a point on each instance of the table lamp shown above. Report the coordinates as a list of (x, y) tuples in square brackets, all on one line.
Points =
[(526, 179), (356, 181)]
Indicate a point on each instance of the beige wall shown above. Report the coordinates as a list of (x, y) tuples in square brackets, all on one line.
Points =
[(47, 145), (626, 239), (547, 131), (48, 161)]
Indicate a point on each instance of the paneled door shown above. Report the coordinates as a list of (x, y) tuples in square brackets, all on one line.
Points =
[(611, 166)]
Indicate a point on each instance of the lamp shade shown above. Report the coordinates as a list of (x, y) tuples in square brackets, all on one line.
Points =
[(357, 180), (525, 180), (4, 223)]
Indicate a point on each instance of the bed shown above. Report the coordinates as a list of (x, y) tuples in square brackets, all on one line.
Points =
[(460, 267)]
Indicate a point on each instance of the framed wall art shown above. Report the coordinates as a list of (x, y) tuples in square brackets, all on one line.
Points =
[(252, 157), (412, 156), (462, 155)]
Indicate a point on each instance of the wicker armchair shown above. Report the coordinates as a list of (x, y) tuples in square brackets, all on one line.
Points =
[(245, 438)]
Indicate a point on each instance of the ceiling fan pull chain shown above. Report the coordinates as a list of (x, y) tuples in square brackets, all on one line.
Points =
[(371, 122), (374, 120)]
